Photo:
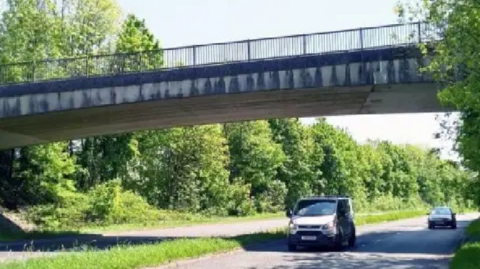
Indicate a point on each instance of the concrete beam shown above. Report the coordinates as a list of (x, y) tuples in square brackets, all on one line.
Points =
[(159, 114)]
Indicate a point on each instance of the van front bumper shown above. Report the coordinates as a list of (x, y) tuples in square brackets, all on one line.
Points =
[(312, 238)]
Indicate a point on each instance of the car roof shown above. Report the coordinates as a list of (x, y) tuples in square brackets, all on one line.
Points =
[(442, 207), (325, 198)]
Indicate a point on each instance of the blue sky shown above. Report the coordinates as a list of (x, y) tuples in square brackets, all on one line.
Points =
[(188, 22)]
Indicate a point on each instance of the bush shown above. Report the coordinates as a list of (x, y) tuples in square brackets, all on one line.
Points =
[(110, 204), (241, 204), (389, 203), (68, 212), (105, 205), (273, 199)]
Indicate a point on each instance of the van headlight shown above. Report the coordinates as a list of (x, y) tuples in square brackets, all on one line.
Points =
[(330, 227), (292, 227)]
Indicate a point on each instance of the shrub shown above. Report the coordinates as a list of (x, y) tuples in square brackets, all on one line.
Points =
[(273, 199), (241, 204), (389, 203), (104, 205), (68, 212)]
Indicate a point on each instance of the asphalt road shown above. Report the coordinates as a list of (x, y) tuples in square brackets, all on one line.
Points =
[(396, 245)]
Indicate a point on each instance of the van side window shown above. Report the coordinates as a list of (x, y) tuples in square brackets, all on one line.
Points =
[(341, 206), (347, 206)]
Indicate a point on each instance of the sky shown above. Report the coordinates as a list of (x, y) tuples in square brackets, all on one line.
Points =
[(188, 22)]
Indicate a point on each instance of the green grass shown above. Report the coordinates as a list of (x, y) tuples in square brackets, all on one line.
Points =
[(473, 229), (12, 236), (128, 257), (468, 256), (133, 257), (178, 223), (392, 216)]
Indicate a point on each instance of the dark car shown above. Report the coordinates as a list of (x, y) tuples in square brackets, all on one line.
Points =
[(442, 217), (322, 221)]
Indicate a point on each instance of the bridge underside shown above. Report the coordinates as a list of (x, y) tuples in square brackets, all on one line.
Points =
[(79, 123)]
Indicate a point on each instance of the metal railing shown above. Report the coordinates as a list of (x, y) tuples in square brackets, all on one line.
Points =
[(219, 53)]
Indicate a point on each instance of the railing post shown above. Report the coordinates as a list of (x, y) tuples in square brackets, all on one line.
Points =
[(361, 38), (86, 66), (194, 49), (304, 44), (33, 71), (419, 32), (249, 50)]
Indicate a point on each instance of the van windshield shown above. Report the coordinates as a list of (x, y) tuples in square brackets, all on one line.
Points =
[(315, 208)]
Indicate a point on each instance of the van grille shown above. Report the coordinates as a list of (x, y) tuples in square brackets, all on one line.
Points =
[(309, 226), (310, 233)]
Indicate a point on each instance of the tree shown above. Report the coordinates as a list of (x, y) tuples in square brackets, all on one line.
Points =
[(298, 169), (184, 168), (7, 158), (40, 174), (254, 156), (135, 37), (88, 25), (28, 33), (32, 30), (455, 63), (108, 157), (340, 168)]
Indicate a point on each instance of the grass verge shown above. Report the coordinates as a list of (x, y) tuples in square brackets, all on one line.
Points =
[(46, 234), (128, 257), (468, 256), (181, 223), (369, 219), (133, 257)]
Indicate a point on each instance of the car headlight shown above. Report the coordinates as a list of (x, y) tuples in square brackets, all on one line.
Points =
[(292, 227)]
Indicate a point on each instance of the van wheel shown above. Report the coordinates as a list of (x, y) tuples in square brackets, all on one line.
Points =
[(353, 239), (339, 242)]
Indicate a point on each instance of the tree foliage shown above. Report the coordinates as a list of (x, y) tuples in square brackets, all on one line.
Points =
[(456, 64)]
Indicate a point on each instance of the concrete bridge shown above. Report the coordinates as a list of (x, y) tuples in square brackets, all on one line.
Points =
[(360, 71)]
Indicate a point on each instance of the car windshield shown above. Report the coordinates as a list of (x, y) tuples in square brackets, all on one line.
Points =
[(441, 211), (315, 208)]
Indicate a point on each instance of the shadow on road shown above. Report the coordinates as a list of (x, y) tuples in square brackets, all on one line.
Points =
[(80, 242), (371, 261)]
